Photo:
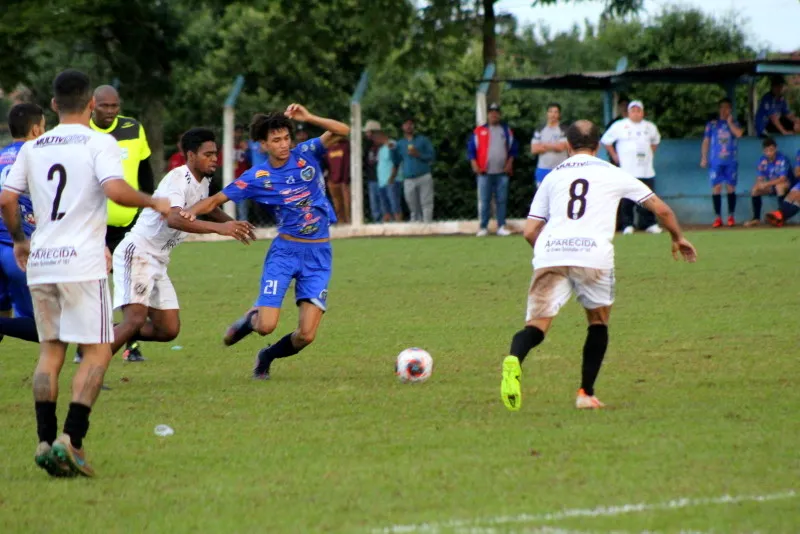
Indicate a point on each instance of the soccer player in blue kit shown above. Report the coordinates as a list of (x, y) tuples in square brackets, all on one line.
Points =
[(291, 185), (720, 139), (25, 122)]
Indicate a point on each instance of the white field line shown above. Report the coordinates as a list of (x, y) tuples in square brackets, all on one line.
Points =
[(600, 511)]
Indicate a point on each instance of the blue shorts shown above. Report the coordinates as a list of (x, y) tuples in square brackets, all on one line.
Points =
[(540, 174), (309, 264), (725, 173), (14, 291)]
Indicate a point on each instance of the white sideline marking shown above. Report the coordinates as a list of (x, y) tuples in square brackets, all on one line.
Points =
[(600, 511)]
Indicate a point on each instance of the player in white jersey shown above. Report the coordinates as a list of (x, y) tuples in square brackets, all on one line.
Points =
[(69, 171), (570, 227), (142, 288)]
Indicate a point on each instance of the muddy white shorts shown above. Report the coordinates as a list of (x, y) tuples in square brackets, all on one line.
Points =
[(552, 287), (141, 278), (73, 312)]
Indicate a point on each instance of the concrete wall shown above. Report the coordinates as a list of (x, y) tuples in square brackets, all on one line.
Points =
[(685, 186)]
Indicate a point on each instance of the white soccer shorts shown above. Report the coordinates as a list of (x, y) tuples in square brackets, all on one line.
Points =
[(551, 288), (140, 278), (74, 312)]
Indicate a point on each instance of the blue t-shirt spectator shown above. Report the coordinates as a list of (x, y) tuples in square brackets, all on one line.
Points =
[(770, 105), (413, 167), (254, 154), (386, 157)]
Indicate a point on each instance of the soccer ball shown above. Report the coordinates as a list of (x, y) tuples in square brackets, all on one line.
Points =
[(413, 365)]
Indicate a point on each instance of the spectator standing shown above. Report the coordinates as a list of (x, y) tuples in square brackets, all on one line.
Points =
[(241, 155), (636, 141), (773, 114), (338, 163), (371, 170), (549, 143), (773, 178), (300, 134), (414, 156), (622, 111), (390, 184), (720, 139), (177, 159), (491, 150)]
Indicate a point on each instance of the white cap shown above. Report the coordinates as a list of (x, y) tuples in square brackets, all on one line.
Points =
[(372, 126), (637, 104)]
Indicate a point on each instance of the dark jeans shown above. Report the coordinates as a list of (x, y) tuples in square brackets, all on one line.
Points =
[(627, 208)]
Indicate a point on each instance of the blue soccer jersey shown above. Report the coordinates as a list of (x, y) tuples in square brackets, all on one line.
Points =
[(772, 170), (722, 142), (770, 105), (8, 155), (294, 192)]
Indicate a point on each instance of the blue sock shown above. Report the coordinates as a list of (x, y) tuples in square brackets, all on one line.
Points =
[(20, 328), (789, 210)]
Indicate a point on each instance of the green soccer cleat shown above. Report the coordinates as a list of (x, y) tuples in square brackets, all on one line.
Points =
[(45, 459), (75, 458), (510, 390)]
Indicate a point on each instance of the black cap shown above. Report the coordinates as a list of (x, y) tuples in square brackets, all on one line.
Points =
[(494, 106)]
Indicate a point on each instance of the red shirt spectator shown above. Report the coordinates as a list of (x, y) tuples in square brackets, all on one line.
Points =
[(176, 160)]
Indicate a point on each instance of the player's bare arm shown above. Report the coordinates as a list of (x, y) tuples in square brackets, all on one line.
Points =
[(219, 215), (613, 153), (123, 194), (736, 130), (9, 207), (208, 205), (533, 227), (240, 230), (680, 245), (335, 130), (704, 153)]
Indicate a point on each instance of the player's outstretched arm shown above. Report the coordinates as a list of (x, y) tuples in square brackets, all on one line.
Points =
[(680, 245), (533, 227), (123, 194), (207, 205), (334, 130), (241, 230)]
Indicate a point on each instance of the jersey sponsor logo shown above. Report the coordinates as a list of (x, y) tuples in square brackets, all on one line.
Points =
[(124, 151), (51, 140), (46, 257), (307, 174), (241, 184), (127, 125), (262, 174), (170, 244), (571, 244), (306, 202), (267, 184), (301, 162), (304, 148), (309, 229), (297, 197), (29, 217), (290, 180), (287, 191)]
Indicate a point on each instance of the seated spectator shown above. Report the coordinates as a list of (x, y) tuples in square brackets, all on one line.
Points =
[(774, 178), (773, 114), (389, 186)]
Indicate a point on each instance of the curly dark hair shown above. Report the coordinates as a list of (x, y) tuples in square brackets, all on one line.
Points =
[(263, 123)]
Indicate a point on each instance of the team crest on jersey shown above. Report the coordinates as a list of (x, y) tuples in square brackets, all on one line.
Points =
[(241, 184), (268, 184), (262, 174), (307, 174), (323, 294)]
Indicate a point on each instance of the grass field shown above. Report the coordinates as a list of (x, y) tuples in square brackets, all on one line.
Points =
[(701, 377)]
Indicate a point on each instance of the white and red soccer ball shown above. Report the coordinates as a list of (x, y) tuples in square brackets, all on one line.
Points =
[(413, 365)]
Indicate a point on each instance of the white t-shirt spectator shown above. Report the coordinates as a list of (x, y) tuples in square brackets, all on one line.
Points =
[(633, 143)]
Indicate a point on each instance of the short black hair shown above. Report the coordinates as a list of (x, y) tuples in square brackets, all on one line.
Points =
[(726, 100), (623, 98), (72, 91), (777, 80), (583, 135), (554, 105), (263, 123), (193, 139), (239, 127), (768, 141), (22, 118)]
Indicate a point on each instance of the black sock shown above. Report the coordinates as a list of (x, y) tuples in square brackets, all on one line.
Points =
[(757, 208), (731, 204), (282, 349), (46, 421), (77, 424), (594, 350), (525, 340), (20, 328), (717, 200)]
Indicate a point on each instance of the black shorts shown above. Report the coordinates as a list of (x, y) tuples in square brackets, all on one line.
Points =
[(115, 234)]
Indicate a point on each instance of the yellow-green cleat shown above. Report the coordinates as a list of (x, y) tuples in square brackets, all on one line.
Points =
[(69, 455), (510, 390)]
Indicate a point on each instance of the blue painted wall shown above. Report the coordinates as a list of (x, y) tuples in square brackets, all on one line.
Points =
[(685, 186)]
